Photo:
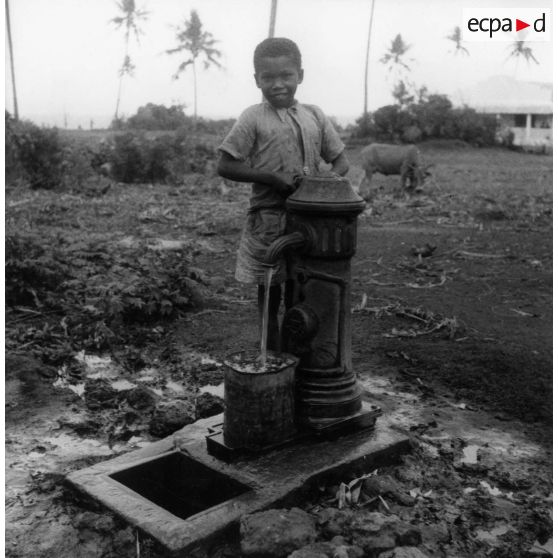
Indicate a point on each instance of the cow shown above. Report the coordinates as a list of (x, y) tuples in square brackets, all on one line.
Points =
[(404, 160)]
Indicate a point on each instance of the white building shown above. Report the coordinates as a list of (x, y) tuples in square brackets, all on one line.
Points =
[(523, 107)]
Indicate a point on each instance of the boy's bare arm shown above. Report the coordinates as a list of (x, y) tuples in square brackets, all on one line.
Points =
[(231, 168), (340, 165)]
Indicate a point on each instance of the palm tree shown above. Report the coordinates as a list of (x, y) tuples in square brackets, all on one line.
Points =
[(10, 46), (457, 38), (394, 56), (129, 18), (368, 58), (272, 17), (395, 59), (193, 40), (518, 50)]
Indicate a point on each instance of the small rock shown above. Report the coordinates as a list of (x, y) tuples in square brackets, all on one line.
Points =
[(276, 533), (141, 398), (334, 522), (208, 405), (376, 532), (124, 542), (377, 485), (94, 522), (435, 533), (170, 416), (338, 541), (99, 394)]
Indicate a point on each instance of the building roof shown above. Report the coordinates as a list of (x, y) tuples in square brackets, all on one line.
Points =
[(506, 95)]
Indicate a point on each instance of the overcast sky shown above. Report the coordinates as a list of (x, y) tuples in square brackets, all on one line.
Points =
[(67, 54)]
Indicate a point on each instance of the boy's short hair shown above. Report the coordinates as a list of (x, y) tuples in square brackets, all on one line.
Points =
[(277, 46)]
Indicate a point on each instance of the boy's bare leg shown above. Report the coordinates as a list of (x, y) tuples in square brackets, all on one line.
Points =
[(273, 340)]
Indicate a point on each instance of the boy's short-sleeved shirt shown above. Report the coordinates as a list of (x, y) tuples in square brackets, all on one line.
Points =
[(289, 140)]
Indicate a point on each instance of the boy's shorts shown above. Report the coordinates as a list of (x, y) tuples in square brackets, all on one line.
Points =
[(262, 227)]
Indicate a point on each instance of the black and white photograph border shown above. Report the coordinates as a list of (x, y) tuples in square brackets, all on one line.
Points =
[(291, 301)]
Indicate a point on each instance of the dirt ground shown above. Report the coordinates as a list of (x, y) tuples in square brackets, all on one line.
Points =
[(455, 346)]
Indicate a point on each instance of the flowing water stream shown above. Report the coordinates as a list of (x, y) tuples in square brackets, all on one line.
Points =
[(265, 316)]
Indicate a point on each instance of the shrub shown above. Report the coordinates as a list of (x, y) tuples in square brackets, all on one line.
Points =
[(390, 122), (157, 117), (33, 153), (147, 286), (473, 127), (431, 117), (32, 269), (364, 126), (135, 157)]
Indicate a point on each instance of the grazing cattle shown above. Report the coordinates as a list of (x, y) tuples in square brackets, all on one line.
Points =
[(387, 159)]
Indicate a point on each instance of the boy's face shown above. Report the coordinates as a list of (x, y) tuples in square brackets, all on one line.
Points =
[(278, 77)]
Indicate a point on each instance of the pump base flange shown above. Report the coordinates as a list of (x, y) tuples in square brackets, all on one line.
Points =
[(313, 430)]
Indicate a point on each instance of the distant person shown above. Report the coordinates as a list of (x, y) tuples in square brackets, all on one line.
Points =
[(274, 144)]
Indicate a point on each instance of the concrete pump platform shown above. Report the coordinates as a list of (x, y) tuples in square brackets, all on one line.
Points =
[(175, 492)]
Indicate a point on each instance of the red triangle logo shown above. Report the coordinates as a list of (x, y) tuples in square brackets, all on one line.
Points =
[(519, 25)]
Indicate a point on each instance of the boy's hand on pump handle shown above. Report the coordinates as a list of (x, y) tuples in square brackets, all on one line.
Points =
[(286, 183)]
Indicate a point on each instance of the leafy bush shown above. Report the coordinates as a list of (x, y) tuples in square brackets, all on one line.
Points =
[(77, 166), (102, 295), (390, 122), (430, 117), (129, 158), (473, 127), (147, 286), (135, 157), (33, 153), (32, 269), (157, 117), (364, 126)]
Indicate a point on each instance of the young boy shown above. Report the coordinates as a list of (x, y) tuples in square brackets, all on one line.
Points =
[(272, 145)]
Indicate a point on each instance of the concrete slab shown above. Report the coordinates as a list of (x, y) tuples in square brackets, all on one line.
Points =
[(271, 480)]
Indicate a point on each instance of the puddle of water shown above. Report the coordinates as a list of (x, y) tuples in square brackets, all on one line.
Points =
[(494, 491), (208, 360), (164, 244), (493, 534), (542, 549), (147, 375), (470, 454), (122, 385), (377, 384), (175, 386), (430, 449), (62, 383), (219, 390), (137, 442), (98, 366)]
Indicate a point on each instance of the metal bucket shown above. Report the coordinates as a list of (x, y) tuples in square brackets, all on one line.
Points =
[(259, 407)]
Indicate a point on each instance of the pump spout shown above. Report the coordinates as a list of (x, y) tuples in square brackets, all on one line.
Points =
[(277, 247)]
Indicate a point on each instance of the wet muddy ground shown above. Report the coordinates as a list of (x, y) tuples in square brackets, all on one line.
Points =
[(452, 337)]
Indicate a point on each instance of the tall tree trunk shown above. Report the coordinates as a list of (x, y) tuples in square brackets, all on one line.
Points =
[(272, 17), (368, 58), (122, 75), (195, 95), (10, 46), (118, 96)]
